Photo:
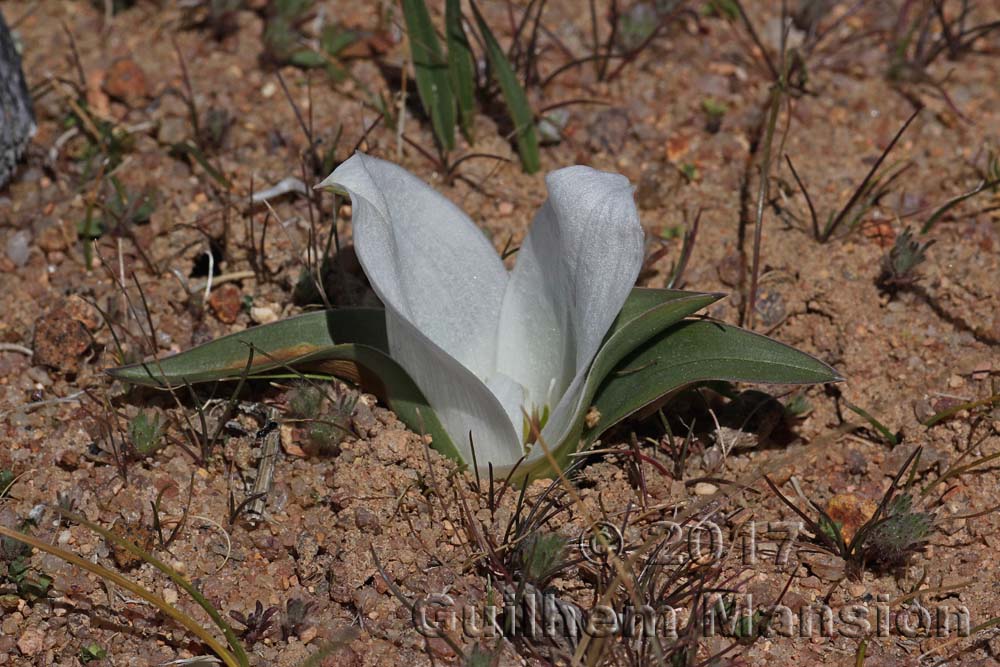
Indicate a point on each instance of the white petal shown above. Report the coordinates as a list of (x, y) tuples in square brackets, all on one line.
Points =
[(511, 396), (573, 274), (425, 258), (462, 402)]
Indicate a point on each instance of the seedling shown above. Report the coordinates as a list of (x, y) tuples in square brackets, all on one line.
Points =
[(899, 266), (539, 556), (326, 418), (256, 623), (31, 583), (715, 111), (146, 433), (92, 652), (894, 532), (283, 30)]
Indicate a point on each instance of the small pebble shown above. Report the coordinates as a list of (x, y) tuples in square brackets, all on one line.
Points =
[(705, 489), (19, 247), (263, 314), (126, 81)]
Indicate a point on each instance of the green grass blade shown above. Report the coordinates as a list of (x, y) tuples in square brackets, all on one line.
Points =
[(514, 97), (110, 575), (461, 66), (173, 575), (431, 72), (349, 343), (955, 201), (888, 436), (695, 351)]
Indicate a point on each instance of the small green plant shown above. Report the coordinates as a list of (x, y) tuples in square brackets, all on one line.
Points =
[(145, 432), (105, 144), (798, 406), (326, 418), (92, 652), (690, 172), (715, 111), (899, 266), (893, 533), (903, 531), (283, 29), (727, 9), (127, 207), (256, 623), (541, 555), (883, 432), (31, 584), (120, 208)]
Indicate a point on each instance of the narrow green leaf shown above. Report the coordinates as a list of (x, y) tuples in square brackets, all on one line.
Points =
[(151, 598), (461, 66), (694, 351), (349, 343), (514, 97), (189, 150), (171, 573), (888, 436), (430, 71)]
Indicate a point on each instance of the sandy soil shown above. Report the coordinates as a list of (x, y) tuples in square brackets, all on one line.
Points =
[(338, 502)]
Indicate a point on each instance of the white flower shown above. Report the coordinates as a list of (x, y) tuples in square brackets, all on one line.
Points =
[(484, 345)]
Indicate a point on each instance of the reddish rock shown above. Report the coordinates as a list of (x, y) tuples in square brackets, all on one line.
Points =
[(851, 512), (226, 302), (31, 641), (126, 81)]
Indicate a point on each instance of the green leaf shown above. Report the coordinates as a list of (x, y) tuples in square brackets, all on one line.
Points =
[(349, 343), (431, 71), (514, 97), (646, 313), (461, 66), (307, 58), (695, 351)]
